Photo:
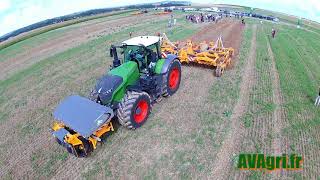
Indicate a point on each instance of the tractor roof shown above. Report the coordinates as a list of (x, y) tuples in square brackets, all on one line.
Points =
[(142, 40)]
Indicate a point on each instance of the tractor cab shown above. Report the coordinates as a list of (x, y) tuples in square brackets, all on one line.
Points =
[(144, 50)]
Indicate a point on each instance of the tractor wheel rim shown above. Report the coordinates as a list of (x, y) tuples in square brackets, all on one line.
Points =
[(174, 78), (141, 111)]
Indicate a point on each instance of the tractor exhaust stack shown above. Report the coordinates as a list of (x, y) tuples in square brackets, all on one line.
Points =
[(114, 54)]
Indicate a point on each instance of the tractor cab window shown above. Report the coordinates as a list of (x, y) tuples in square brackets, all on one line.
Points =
[(142, 55), (136, 53), (154, 49), (128, 51)]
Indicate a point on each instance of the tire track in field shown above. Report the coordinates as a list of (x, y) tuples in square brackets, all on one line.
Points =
[(278, 113), (230, 144), (278, 143)]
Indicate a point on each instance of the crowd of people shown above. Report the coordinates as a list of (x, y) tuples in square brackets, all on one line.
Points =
[(200, 18)]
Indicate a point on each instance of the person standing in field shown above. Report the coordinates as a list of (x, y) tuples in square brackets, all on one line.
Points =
[(273, 33), (317, 103)]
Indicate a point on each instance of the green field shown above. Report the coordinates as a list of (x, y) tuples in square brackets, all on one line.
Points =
[(185, 136)]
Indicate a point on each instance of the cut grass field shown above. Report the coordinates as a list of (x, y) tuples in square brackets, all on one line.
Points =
[(187, 133), (34, 38), (297, 58), (26, 36), (48, 44)]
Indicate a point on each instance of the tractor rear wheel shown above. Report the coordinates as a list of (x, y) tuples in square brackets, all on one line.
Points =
[(172, 78), (134, 109)]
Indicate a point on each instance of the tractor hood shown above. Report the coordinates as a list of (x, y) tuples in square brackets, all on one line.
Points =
[(82, 115), (106, 86)]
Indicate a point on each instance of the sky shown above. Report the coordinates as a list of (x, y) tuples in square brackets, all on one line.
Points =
[(15, 14)]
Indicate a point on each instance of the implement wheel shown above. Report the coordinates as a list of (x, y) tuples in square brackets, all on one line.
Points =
[(86, 149), (219, 71), (134, 109), (172, 78), (105, 136)]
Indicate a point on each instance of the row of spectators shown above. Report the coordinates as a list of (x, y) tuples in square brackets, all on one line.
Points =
[(201, 18)]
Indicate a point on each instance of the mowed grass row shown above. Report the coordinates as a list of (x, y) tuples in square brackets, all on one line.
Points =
[(297, 58), (260, 104), (29, 96), (20, 47), (257, 121)]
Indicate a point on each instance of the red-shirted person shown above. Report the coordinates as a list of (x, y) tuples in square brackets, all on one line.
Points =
[(273, 33)]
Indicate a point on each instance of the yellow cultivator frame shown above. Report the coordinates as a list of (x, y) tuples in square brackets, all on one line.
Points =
[(211, 54), (78, 145)]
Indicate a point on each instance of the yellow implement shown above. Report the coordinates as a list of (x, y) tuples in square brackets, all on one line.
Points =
[(211, 54), (79, 146)]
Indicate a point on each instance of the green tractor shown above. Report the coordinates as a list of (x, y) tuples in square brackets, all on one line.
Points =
[(126, 94)]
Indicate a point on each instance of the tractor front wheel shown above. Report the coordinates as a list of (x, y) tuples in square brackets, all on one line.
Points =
[(172, 78), (134, 109)]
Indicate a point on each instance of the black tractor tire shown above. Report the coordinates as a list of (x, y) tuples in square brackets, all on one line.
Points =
[(172, 78), (134, 109), (219, 71)]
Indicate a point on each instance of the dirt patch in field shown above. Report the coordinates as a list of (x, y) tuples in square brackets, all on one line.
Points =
[(70, 39), (228, 29)]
